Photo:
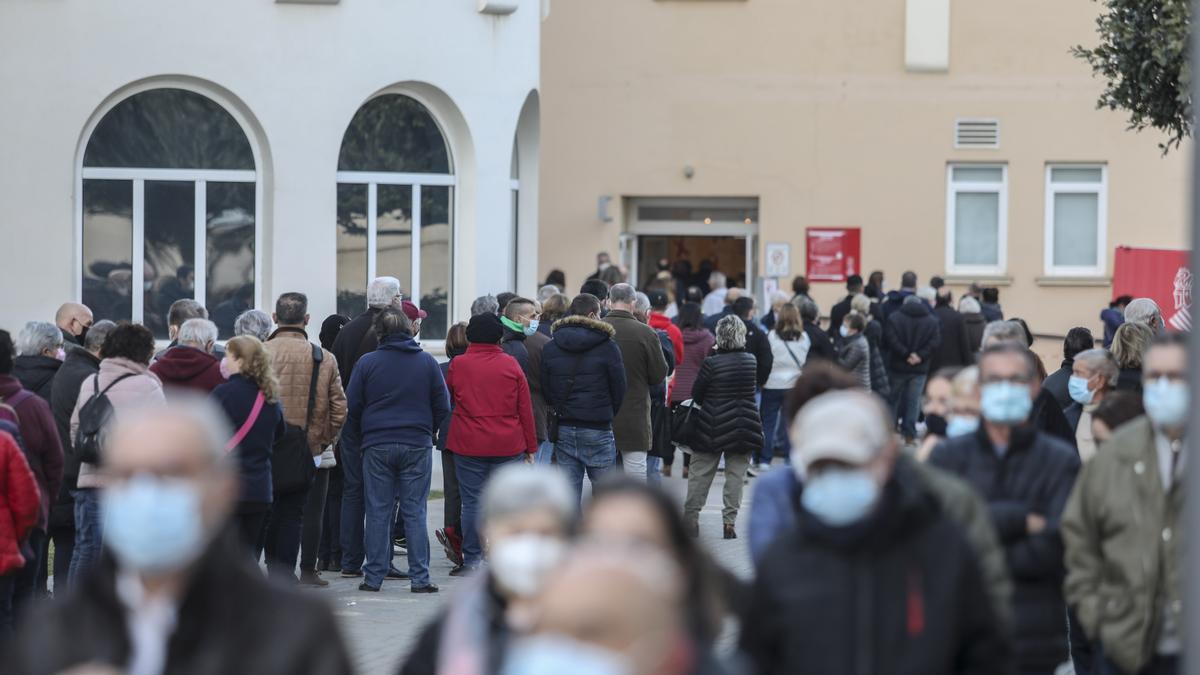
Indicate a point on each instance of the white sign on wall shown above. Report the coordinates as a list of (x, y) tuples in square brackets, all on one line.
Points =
[(779, 260)]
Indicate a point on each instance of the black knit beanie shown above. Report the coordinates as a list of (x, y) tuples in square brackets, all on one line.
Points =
[(485, 329)]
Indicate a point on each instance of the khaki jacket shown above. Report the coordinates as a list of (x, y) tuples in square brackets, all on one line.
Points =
[(291, 357), (645, 364), (1124, 547)]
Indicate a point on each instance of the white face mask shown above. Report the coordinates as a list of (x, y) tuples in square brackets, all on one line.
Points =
[(520, 563), (551, 654)]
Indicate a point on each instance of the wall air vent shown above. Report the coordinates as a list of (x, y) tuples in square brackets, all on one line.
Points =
[(977, 133)]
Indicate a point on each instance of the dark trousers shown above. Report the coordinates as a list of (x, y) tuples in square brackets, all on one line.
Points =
[(314, 521), (248, 523), (26, 578), (7, 583), (353, 508), (331, 534), (452, 513), (281, 536), (64, 546)]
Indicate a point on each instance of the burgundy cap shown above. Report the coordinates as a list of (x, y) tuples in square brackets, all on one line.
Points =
[(412, 311)]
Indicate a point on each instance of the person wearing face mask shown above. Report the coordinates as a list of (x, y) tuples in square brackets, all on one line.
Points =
[(1124, 532), (170, 593), (900, 590), (854, 354), (1093, 377), (73, 319), (1026, 476), (963, 418), (527, 516), (524, 342), (190, 366), (936, 408), (39, 356)]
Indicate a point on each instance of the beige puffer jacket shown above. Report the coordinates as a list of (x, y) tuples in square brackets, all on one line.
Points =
[(291, 358)]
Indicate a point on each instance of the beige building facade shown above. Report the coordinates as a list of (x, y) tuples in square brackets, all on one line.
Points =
[(963, 141)]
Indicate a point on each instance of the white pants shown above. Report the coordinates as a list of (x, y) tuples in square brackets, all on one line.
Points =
[(635, 464)]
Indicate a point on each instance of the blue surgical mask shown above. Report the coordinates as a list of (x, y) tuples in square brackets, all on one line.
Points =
[(844, 331), (961, 425), (153, 524), (1077, 387), (840, 497), (1005, 403), (531, 329), (551, 654), (1166, 402)]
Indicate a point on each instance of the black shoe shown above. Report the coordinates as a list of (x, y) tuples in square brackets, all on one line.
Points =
[(394, 573), (431, 588), (351, 574), (459, 571), (364, 586)]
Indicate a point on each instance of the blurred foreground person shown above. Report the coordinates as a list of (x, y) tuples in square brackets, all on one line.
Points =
[(900, 589), (631, 624), (1113, 412), (1124, 531), (939, 391), (171, 593), (19, 503), (527, 517), (1026, 476)]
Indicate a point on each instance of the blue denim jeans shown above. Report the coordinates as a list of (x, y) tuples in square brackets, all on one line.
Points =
[(775, 437), (580, 450), (545, 453), (391, 471), (654, 470), (473, 473), (88, 536), (352, 507), (907, 389)]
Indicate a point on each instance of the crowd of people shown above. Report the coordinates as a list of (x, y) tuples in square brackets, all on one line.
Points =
[(929, 499)]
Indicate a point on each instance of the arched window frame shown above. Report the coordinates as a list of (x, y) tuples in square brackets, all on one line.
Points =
[(373, 179), (200, 177)]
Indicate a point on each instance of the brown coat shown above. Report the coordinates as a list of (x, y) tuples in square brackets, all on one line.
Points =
[(645, 364), (291, 357)]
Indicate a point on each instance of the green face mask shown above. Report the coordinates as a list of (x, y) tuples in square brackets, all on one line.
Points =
[(512, 325)]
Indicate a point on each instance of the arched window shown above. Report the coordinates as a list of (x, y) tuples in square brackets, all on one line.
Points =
[(395, 208), (168, 210)]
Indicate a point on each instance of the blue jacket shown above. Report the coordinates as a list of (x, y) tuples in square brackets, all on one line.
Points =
[(599, 386), (236, 398), (1112, 318), (772, 509), (396, 395)]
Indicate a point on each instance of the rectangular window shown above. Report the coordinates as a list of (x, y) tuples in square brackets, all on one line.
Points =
[(1076, 219), (976, 219)]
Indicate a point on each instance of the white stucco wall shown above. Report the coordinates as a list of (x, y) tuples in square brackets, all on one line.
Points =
[(294, 74)]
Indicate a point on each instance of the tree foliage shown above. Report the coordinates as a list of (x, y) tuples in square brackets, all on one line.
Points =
[(1143, 56)]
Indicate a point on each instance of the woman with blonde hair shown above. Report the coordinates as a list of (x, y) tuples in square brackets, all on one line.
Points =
[(250, 400), (1129, 344), (553, 309), (873, 330)]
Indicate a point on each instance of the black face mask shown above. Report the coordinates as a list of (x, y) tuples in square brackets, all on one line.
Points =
[(936, 424), (82, 334)]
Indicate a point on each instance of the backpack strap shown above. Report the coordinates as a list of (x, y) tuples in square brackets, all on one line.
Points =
[(17, 398), (317, 356), (245, 428), (96, 383)]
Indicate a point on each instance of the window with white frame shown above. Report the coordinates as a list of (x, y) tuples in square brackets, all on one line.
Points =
[(395, 185), (166, 210), (976, 218), (1076, 219)]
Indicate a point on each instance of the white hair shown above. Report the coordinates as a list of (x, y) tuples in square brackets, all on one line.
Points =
[(731, 333), (485, 304), (546, 292), (716, 280), (1009, 332), (1100, 362), (861, 304), (38, 336), (969, 305), (253, 322), (622, 293), (382, 291), (927, 293), (197, 333), (1143, 310), (517, 489), (641, 303)]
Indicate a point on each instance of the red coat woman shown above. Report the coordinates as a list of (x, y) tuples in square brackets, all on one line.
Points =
[(19, 505)]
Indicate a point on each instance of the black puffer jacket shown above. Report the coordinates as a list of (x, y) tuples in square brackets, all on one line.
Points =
[(900, 592), (1034, 475), (36, 373), (724, 390), (583, 349), (64, 394), (913, 329)]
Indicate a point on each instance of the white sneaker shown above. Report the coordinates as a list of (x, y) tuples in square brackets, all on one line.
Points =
[(763, 467)]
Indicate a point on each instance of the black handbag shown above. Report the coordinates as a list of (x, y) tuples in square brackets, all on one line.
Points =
[(292, 465), (684, 418)]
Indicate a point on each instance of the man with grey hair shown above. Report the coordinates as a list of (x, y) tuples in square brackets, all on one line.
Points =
[(173, 584), (39, 356), (190, 366), (1093, 376), (254, 323), (645, 365), (1003, 332), (1144, 310), (546, 292), (81, 362), (358, 336), (1047, 415), (928, 294), (912, 334), (485, 304), (714, 302)]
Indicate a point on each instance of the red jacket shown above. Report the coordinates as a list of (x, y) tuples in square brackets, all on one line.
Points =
[(188, 368), (19, 504), (493, 416), (660, 321)]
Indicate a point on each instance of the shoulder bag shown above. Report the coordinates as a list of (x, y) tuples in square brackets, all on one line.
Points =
[(292, 464)]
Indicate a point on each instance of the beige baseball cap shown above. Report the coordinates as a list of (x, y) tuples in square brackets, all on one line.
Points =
[(844, 426)]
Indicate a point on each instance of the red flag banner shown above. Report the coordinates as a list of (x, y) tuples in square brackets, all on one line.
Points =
[(1162, 275)]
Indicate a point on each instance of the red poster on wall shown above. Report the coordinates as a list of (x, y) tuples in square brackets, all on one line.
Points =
[(833, 253), (1162, 275)]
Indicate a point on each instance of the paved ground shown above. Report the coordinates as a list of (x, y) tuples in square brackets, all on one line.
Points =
[(381, 627)]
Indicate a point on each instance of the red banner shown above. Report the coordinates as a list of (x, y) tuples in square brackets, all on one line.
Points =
[(1162, 275), (833, 253)]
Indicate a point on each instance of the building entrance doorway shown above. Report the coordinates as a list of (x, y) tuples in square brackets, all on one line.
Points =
[(692, 237)]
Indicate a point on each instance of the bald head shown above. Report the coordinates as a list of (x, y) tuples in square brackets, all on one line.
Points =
[(73, 318)]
